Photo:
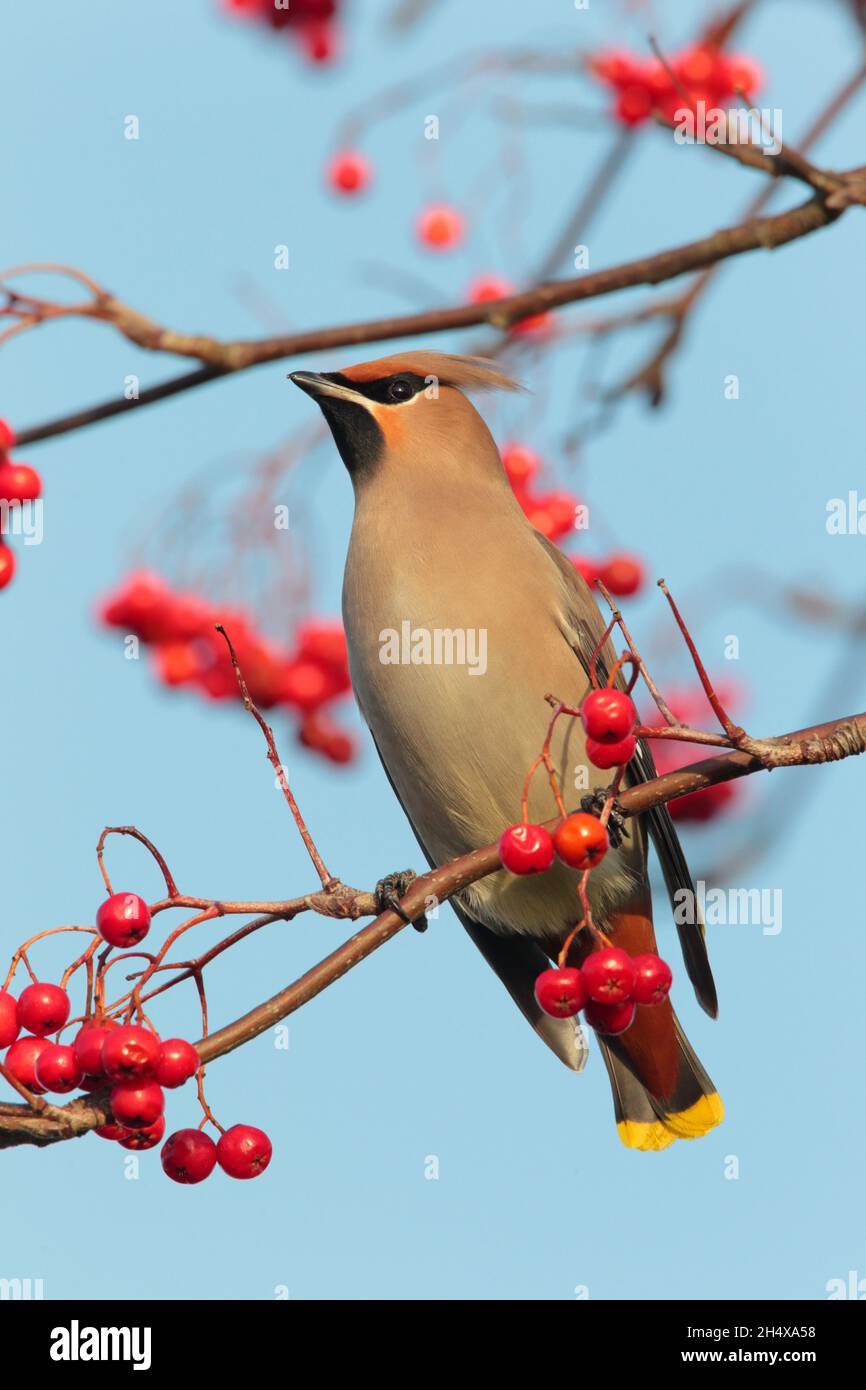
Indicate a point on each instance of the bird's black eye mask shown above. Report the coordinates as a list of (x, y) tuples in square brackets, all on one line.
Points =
[(357, 433), (388, 390)]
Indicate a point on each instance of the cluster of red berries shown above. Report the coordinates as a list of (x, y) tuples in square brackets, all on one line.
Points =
[(644, 86), (137, 1065), (19, 483), (610, 983), (188, 652), (551, 513), (580, 840), (608, 986), (609, 719), (622, 574), (312, 23), (554, 513)]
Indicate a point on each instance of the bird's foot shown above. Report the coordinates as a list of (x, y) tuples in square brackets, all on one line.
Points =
[(594, 802), (390, 889)]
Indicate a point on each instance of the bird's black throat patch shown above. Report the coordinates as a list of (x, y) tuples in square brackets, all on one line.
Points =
[(357, 435)]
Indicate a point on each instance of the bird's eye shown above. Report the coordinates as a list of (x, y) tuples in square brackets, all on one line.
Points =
[(400, 389)]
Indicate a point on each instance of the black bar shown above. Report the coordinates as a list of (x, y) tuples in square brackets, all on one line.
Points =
[(66, 1338)]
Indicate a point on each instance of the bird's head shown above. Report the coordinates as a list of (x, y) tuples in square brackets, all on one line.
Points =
[(406, 410)]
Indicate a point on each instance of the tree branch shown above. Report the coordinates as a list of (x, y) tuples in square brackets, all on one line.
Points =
[(222, 358), (820, 743)]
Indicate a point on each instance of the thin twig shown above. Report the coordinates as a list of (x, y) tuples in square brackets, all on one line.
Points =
[(327, 879)]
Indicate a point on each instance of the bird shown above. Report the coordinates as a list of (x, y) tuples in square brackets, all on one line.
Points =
[(440, 545)]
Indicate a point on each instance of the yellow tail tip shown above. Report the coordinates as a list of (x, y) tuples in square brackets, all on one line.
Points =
[(707, 1112), (691, 1123), (638, 1134)]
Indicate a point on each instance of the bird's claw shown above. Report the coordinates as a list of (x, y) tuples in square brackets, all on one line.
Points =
[(390, 889), (594, 802)]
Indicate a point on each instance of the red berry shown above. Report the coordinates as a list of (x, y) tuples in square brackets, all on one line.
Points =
[(440, 227), (634, 104), (176, 663), (244, 1151), (9, 1024), (526, 849), (587, 569), (560, 507), (7, 566), (610, 754), (306, 684), (19, 482), (320, 42), (137, 1104), (112, 1131), (653, 979), (176, 1063), (622, 574), (533, 325), (88, 1045), (21, 1061), (7, 436), (144, 1138), (608, 715), (580, 840), (57, 1068), (560, 993), (617, 67), (324, 640), (43, 1008), (123, 919), (129, 1053), (339, 747), (318, 731), (188, 1156), (485, 288), (91, 1083), (656, 78), (186, 616), (696, 67), (610, 1018), (142, 606), (348, 172), (609, 975), (741, 75), (538, 516), (521, 465)]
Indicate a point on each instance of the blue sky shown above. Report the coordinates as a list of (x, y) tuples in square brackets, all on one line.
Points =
[(535, 1196)]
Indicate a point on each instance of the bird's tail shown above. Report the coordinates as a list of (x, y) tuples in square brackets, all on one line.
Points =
[(680, 1101), (660, 1090)]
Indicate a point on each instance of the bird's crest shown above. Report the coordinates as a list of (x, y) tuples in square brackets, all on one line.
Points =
[(471, 373)]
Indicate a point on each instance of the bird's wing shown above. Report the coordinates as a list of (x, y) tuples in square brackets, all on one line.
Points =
[(518, 961), (587, 627)]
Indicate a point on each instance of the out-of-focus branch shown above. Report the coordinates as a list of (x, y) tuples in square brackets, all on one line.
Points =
[(407, 12), (649, 377), (221, 358)]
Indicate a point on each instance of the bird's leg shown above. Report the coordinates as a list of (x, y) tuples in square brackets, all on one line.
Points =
[(390, 889), (594, 802)]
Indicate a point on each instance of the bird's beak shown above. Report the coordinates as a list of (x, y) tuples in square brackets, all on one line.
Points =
[(317, 385)]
